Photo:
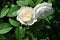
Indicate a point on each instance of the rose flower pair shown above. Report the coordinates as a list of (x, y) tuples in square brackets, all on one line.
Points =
[(29, 15)]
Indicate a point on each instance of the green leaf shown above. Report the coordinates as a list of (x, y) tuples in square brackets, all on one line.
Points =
[(47, 38), (47, 26), (30, 2), (58, 10), (49, 1), (22, 3), (20, 33), (32, 36), (4, 11), (38, 1), (14, 22), (2, 37), (53, 1), (27, 38), (4, 28), (1, 21), (12, 11), (49, 18)]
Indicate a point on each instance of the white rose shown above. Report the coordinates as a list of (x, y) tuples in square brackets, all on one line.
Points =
[(26, 16), (43, 10)]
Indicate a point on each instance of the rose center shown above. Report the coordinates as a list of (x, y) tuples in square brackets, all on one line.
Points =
[(26, 15)]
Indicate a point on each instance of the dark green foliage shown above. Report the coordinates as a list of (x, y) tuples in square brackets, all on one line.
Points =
[(44, 29)]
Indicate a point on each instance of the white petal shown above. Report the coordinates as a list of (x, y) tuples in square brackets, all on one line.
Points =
[(41, 8), (42, 5), (20, 18)]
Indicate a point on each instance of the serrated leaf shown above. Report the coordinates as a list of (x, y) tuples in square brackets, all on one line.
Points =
[(12, 11), (30, 2), (20, 33), (38, 1), (4, 28), (4, 11), (22, 3), (14, 22)]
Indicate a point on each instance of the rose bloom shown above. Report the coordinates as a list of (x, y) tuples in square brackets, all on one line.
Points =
[(43, 10), (26, 16)]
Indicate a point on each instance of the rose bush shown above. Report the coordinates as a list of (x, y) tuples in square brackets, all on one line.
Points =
[(29, 20)]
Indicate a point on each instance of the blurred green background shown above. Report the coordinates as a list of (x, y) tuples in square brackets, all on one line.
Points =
[(44, 29)]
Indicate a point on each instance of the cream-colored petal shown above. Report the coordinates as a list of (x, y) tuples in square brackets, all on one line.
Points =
[(26, 15)]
